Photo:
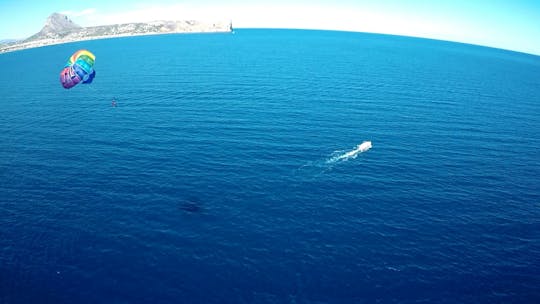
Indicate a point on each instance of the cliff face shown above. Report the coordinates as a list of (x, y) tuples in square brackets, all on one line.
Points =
[(60, 29)]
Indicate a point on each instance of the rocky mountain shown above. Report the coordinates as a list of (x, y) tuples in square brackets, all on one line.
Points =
[(56, 26), (60, 29)]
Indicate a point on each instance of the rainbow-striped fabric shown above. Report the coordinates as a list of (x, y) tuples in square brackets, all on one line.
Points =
[(79, 68)]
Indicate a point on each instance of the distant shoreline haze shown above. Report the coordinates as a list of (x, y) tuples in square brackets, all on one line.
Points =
[(60, 29)]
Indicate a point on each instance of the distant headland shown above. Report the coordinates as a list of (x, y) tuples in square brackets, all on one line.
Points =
[(60, 29)]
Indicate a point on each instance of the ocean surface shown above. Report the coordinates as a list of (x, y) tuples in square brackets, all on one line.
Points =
[(229, 171)]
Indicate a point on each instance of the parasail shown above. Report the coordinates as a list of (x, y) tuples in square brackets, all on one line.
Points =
[(79, 68)]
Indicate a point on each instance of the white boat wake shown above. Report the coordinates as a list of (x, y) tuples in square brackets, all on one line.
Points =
[(361, 148), (316, 168)]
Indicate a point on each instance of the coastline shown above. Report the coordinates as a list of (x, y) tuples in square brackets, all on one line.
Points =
[(123, 30), (48, 42)]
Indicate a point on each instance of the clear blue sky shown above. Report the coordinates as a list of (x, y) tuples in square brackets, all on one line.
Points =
[(508, 24)]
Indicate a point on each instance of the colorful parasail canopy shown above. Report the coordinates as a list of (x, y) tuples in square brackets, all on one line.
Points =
[(79, 68)]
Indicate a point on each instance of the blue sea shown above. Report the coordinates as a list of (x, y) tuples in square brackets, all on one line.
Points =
[(228, 171)]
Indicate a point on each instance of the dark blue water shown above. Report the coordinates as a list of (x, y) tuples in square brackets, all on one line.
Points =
[(212, 181)]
